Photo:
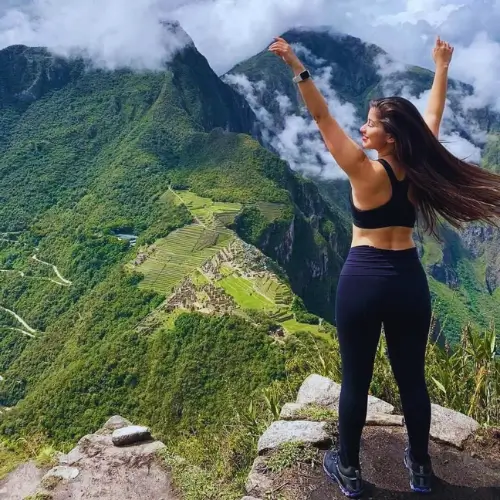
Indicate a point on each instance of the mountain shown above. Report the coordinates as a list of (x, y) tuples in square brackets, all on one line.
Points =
[(149, 246), (462, 268)]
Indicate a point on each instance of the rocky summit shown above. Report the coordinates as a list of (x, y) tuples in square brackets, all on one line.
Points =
[(97, 468), (291, 453)]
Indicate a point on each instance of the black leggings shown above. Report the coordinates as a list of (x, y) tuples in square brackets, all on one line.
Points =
[(383, 287)]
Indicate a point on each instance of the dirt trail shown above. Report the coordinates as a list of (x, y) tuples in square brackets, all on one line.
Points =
[(461, 475), (59, 275), (21, 320)]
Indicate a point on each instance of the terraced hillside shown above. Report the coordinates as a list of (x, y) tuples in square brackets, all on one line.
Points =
[(206, 267)]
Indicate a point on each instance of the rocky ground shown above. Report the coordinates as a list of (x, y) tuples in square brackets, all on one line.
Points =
[(466, 459), (117, 462), (120, 461)]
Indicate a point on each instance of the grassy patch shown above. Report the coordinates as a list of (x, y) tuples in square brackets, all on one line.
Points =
[(10, 457), (316, 413), (290, 454), (243, 292), (207, 211), (293, 326), (433, 252), (197, 483), (47, 457)]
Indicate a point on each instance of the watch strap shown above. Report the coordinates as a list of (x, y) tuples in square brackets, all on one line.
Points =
[(304, 75)]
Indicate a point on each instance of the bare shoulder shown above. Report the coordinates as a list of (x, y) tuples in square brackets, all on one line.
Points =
[(371, 175)]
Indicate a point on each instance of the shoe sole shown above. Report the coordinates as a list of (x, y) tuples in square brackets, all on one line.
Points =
[(339, 484), (416, 489)]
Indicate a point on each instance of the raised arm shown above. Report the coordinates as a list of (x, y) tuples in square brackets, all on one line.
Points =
[(441, 54), (349, 156)]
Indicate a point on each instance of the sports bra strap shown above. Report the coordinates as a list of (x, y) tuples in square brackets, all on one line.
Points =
[(390, 172)]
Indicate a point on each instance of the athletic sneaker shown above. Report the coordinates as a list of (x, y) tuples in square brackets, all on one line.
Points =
[(348, 478), (420, 475)]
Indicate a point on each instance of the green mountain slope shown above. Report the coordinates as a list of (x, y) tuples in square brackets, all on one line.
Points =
[(98, 168), (463, 268)]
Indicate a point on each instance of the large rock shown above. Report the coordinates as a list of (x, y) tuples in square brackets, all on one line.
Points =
[(319, 390), (323, 391), (451, 427), (280, 432), (73, 457), (130, 435)]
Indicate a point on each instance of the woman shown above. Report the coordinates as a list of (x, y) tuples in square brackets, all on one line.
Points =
[(382, 281)]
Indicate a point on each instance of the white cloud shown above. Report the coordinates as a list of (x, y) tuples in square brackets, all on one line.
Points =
[(116, 33), (453, 120), (296, 137), (107, 31)]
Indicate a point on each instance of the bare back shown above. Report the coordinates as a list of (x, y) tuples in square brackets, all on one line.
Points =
[(371, 192)]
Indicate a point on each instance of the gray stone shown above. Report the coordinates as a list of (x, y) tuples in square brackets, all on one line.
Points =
[(250, 498), (376, 405), (74, 456), (451, 427), (62, 472), (290, 410), (283, 431), (116, 422), (258, 483), (130, 435), (384, 419), (319, 390), (323, 391)]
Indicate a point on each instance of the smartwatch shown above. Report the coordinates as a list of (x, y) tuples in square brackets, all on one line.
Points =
[(302, 76)]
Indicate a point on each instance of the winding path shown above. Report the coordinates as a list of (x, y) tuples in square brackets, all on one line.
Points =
[(11, 271), (21, 320), (19, 330), (59, 275)]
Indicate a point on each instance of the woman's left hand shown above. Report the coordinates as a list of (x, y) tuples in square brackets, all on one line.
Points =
[(282, 48)]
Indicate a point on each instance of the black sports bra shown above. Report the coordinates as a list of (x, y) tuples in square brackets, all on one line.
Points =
[(398, 211)]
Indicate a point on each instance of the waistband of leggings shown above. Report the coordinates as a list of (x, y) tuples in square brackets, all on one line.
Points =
[(367, 260)]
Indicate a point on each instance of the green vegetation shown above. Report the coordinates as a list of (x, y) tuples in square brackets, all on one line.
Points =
[(223, 461), (244, 293), (290, 454), (316, 413)]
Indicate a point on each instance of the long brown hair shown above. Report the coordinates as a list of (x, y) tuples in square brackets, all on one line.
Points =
[(440, 183)]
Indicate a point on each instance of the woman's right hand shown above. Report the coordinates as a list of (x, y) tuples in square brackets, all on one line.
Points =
[(442, 53)]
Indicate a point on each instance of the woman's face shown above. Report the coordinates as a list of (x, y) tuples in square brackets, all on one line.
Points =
[(373, 135)]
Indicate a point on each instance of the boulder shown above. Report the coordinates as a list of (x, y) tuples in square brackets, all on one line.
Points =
[(130, 435), (283, 431), (451, 427), (74, 456), (323, 391), (319, 390)]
